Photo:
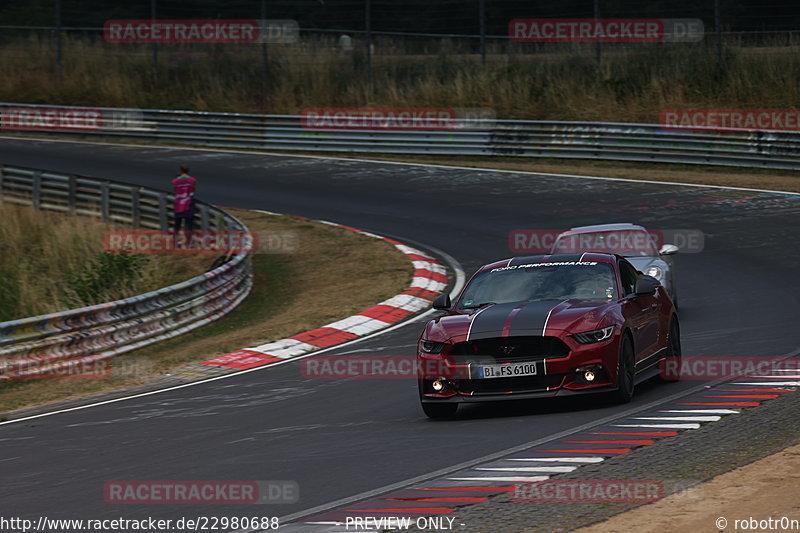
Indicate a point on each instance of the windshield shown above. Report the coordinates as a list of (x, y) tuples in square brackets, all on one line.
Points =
[(541, 281), (627, 243)]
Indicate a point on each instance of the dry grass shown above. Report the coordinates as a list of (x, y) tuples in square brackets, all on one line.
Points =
[(635, 82), (50, 262), (334, 274)]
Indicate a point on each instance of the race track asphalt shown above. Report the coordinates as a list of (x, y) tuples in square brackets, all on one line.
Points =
[(337, 438)]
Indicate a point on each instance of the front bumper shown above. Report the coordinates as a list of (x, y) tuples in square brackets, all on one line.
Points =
[(560, 393), (558, 376)]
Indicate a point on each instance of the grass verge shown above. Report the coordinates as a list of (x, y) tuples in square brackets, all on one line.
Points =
[(51, 261), (546, 83), (333, 274)]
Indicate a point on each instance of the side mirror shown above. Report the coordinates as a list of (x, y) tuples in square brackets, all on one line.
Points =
[(668, 249), (645, 287), (442, 302)]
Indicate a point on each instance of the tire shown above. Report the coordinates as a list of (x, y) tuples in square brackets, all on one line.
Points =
[(439, 410), (673, 350), (626, 371)]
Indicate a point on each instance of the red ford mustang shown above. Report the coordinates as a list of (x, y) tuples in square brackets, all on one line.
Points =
[(547, 325)]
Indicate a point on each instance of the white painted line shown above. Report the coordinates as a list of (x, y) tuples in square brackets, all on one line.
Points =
[(290, 350), (427, 283), (681, 418), (367, 326), (703, 411), (406, 301), (562, 459), (771, 383), (796, 376), (277, 346), (659, 426), (409, 250), (439, 269), (518, 479), (554, 469)]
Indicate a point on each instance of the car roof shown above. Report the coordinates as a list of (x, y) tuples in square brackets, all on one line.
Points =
[(603, 227), (585, 257)]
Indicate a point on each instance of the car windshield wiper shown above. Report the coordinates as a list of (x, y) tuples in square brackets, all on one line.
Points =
[(477, 306)]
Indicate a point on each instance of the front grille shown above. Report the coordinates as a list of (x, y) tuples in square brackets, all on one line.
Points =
[(516, 384), (508, 350)]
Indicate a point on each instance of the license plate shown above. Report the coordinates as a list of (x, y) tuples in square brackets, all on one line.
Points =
[(506, 371)]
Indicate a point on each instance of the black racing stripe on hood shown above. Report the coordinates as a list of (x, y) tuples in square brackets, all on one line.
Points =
[(489, 321), (527, 260), (531, 319), (565, 258)]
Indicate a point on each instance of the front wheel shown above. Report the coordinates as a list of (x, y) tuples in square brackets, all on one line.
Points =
[(439, 410), (626, 371)]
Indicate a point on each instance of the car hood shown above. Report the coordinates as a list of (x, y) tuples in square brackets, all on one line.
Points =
[(519, 319)]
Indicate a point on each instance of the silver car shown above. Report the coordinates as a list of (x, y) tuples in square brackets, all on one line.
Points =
[(628, 240)]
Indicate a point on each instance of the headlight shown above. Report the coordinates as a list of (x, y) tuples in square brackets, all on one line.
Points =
[(431, 346), (596, 335), (655, 271)]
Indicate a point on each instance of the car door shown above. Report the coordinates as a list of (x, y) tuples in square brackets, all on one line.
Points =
[(641, 312)]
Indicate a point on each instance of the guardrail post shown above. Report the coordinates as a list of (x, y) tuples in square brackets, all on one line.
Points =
[(204, 217), (162, 211), (105, 208), (136, 212), (72, 193), (36, 189)]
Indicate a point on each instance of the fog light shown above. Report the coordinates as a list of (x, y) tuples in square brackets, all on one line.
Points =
[(590, 374), (438, 385)]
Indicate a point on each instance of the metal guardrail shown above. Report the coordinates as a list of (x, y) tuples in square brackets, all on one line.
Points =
[(53, 343), (509, 138)]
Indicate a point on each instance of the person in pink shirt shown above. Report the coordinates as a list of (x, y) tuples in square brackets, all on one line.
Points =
[(184, 187)]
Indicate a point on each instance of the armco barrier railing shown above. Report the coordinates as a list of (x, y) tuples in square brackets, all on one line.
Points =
[(516, 138), (55, 342)]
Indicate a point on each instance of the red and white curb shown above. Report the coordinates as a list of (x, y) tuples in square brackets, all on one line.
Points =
[(443, 495), (429, 280)]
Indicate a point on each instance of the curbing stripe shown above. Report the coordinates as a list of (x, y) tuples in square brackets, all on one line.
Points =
[(578, 456), (428, 281)]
